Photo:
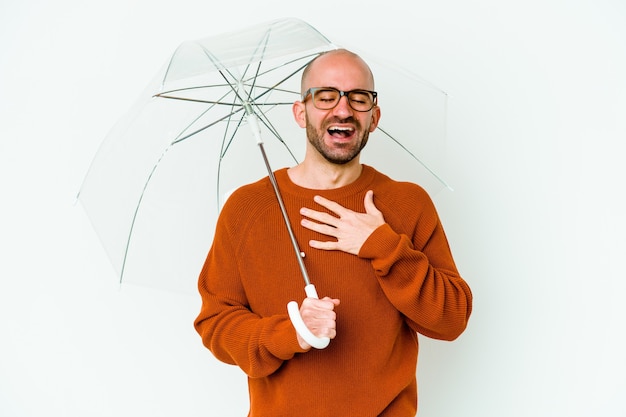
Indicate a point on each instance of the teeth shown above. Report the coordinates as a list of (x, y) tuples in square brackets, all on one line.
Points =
[(343, 129)]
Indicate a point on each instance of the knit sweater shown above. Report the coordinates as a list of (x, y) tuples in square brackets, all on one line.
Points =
[(403, 282)]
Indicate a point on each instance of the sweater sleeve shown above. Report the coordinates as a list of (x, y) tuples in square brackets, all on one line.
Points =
[(228, 328), (418, 275)]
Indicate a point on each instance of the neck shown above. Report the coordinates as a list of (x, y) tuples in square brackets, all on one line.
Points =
[(325, 176)]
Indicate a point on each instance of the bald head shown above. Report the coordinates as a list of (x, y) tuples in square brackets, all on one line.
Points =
[(336, 57)]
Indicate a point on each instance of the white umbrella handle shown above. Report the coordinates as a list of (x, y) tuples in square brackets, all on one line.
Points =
[(298, 323)]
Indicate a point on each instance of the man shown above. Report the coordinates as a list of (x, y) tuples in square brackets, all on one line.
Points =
[(375, 246)]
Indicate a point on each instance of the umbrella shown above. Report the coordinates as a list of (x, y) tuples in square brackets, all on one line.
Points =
[(155, 187)]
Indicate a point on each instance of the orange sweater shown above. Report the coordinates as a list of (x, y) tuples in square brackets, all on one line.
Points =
[(403, 282)]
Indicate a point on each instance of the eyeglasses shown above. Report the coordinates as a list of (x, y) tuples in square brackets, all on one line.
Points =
[(326, 98)]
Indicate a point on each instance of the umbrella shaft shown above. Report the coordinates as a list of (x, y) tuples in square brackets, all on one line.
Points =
[(283, 210)]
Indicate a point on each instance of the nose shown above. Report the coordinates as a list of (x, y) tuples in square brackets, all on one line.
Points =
[(343, 106)]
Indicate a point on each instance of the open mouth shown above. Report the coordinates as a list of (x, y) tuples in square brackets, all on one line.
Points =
[(340, 131)]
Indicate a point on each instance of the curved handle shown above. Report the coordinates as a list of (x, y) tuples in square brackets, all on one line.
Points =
[(298, 323)]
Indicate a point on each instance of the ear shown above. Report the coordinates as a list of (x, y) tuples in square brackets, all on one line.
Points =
[(375, 118), (299, 113)]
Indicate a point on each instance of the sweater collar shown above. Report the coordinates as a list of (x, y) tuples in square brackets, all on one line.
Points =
[(360, 185)]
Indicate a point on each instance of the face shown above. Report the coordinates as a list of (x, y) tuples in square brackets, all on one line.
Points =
[(338, 134)]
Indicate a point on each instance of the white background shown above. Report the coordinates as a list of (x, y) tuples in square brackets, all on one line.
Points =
[(537, 118)]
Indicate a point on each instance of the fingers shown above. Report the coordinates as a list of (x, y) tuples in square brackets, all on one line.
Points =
[(314, 225), (340, 211), (322, 218), (330, 205), (319, 316)]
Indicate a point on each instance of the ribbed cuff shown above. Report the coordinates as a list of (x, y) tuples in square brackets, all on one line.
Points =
[(283, 340), (380, 243)]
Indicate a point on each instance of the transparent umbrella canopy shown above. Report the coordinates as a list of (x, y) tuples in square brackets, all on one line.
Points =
[(155, 187)]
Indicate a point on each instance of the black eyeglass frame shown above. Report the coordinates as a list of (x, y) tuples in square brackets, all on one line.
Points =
[(313, 90)]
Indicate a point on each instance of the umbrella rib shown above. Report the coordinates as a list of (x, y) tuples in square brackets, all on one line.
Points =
[(274, 87), (223, 151), (197, 100), (132, 224), (221, 68), (201, 87), (206, 127), (193, 88), (444, 183), (261, 45), (288, 63), (169, 65)]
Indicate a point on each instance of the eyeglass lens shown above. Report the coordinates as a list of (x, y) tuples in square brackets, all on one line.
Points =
[(328, 98)]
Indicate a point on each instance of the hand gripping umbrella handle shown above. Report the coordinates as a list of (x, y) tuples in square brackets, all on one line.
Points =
[(298, 323)]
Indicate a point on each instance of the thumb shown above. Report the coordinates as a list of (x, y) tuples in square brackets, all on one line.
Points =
[(370, 207), (335, 301)]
